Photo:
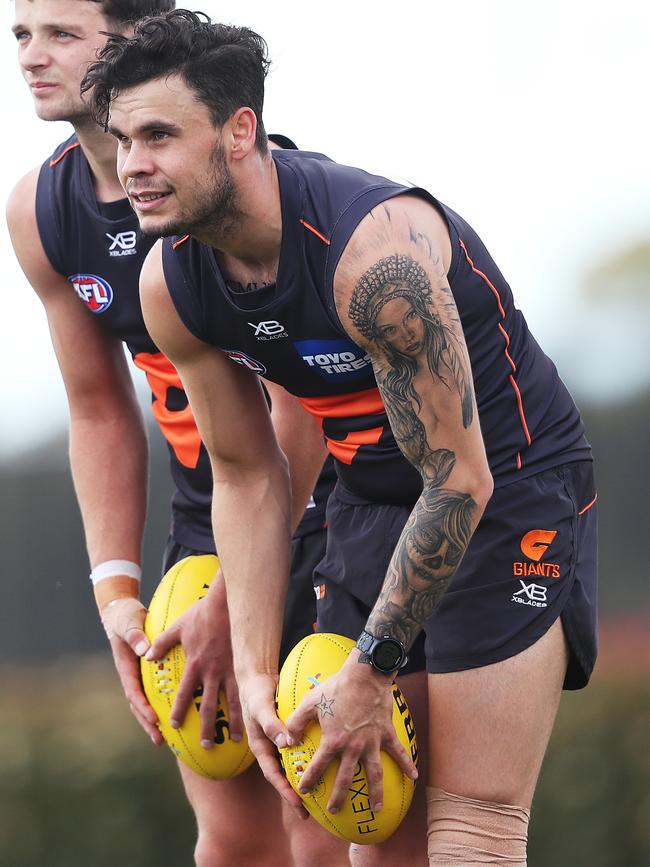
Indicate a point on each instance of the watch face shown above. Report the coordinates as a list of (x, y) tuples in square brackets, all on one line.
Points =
[(387, 655)]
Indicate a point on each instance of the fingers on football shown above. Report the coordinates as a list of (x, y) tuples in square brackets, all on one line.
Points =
[(128, 670), (269, 762), (324, 755), (234, 708), (184, 696), (393, 746), (137, 640), (343, 784), (164, 642), (208, 712), (151, 730), (300, 719)]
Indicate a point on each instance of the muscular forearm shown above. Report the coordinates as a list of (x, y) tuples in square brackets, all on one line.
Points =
[(427, 554), (252, 524), (109, 459)]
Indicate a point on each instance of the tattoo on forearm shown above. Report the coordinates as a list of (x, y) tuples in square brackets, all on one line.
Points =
[(325, 706), (415, 328), (423, 563)]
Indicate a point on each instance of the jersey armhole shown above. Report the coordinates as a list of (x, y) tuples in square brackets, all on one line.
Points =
[(181, 291), (47, 219)]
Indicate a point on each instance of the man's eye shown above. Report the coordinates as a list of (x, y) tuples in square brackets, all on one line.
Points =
[(21, 36), (62, 34), (159, 136)]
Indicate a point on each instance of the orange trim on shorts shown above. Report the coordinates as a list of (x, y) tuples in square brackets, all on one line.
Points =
[(509, 359), (177, 426), (316, 232), (180, 241), (588, 506), (58, 159)]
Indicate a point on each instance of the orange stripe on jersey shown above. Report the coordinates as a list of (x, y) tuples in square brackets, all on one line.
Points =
[(588, 506), (506, 352), (180, 241), (345, 450), (363, 403), (521, 409), (177, 426), (69, 148), (367, 402), (316, 232), (495, 291)]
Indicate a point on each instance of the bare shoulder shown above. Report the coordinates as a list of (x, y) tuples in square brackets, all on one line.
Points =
[(153, 286), (160, 315), (25, 237), (20, 204)]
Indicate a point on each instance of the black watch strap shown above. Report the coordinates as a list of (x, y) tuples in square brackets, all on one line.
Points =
[(385, 654)]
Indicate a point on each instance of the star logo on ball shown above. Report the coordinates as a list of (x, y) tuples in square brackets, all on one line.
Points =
[(325, 706)]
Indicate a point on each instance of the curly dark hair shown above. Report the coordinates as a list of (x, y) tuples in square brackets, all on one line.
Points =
[(122, 12), (224, 66)]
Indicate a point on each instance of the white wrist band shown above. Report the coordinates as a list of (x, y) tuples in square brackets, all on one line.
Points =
[(111, 568)]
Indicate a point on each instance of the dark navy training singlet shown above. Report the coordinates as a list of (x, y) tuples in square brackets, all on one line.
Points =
[(290, 333), (98, 247)]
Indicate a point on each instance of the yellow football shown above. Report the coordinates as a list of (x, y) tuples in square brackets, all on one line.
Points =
[(187, 581), (311, 661)]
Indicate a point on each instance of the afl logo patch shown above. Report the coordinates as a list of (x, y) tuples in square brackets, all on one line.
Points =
[(245, 360), (95, 292)]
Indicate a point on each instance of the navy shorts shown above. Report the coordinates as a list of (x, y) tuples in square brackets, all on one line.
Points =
[(532, 559), (300, 607)]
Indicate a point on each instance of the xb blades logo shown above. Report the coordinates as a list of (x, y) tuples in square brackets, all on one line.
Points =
[(270, 329), (122, 244), (535, 543), (534, 592)]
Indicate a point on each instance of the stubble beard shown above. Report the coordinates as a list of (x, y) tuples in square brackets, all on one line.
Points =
[(215, 213), (76, 114)]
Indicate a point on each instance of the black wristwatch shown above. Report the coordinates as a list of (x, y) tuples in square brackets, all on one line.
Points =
[(386, 655)]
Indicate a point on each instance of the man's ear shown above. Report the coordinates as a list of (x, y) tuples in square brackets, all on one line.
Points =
[(240, 132)]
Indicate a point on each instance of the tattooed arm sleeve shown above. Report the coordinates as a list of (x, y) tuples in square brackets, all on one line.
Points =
[(393, 296)]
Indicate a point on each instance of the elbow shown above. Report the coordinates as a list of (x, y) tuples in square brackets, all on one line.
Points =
[(482, 488)]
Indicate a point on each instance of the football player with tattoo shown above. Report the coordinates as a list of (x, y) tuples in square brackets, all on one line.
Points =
[(79, 243), (461, 546)]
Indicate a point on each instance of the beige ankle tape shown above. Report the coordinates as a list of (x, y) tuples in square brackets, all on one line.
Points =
[(473, 833)]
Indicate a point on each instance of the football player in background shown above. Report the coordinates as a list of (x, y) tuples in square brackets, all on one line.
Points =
[(79, 244)]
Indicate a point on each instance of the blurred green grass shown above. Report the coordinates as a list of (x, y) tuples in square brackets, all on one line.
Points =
[(81, 785)]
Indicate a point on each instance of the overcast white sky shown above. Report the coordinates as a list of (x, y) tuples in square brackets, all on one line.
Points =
[(529, 119)]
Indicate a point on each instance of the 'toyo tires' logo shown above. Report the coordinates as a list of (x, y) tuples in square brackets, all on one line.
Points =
[(94, 291)]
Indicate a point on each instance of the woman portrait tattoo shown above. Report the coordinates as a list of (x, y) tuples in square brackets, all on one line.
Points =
[(393, 307)]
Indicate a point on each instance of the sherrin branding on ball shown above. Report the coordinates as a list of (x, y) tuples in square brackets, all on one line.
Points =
[(311, 661), (187, 581)]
